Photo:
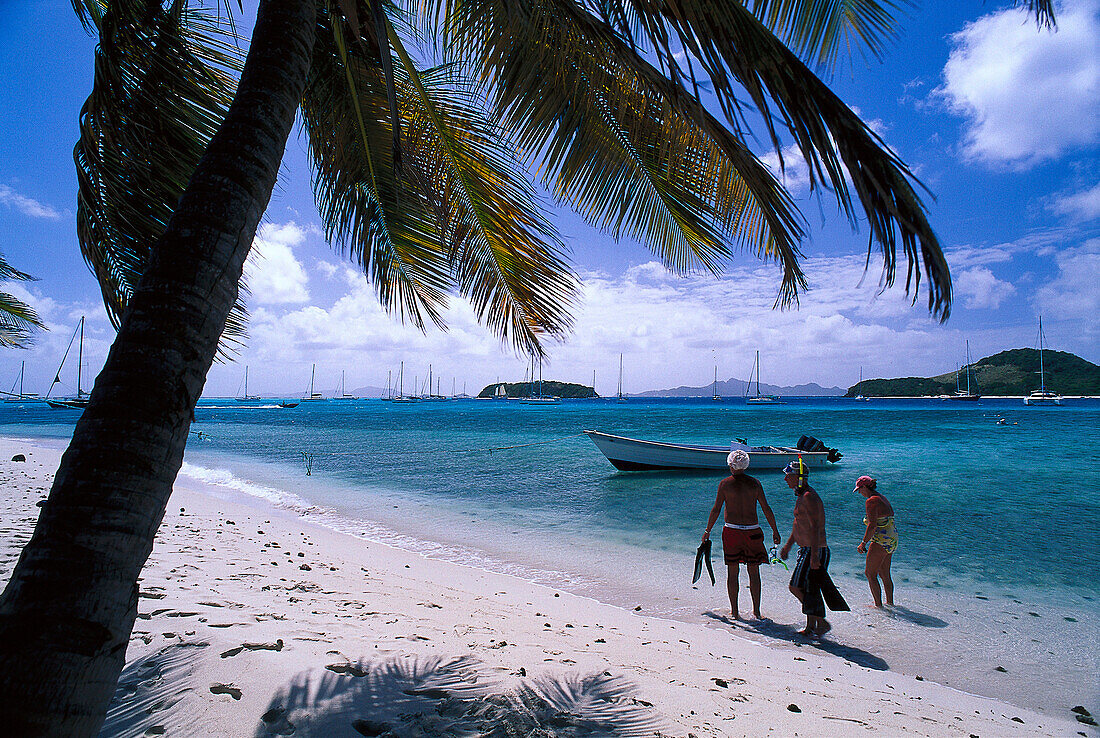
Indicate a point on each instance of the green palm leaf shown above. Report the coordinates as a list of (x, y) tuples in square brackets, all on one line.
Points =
[(18, 321), (819, 29), (456, 214), (164, 78), (740, 55), (631, 151)]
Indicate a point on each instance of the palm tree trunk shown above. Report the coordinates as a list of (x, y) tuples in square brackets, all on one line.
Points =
[(68, 610)]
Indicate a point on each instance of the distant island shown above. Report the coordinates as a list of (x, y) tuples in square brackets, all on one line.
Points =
[(737, 388), (548, 389), (1010, 373)]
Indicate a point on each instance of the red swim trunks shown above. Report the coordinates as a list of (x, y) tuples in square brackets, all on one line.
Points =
[(744, 546)]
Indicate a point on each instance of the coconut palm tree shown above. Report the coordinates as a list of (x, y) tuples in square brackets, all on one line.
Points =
[(18, 321), (417, 179)]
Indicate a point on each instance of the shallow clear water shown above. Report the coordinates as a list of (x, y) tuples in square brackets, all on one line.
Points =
[(997, 522)]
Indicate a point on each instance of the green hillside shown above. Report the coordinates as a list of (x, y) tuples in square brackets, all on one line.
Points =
[(549, 389), (1012, 372)]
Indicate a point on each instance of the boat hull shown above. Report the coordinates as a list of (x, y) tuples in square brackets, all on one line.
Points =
[(1043, 399), (629, 454), (68, 404)]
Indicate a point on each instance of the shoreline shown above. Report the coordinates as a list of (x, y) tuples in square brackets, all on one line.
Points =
[(999, 640), (237, 636)]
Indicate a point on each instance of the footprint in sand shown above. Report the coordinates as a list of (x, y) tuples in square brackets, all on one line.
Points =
[(228, 689), (277, 722)]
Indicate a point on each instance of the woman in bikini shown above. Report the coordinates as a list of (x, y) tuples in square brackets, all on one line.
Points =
[(880, 540)]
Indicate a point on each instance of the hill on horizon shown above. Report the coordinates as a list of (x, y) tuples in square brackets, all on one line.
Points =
[(548, 388), (1014, 372), (738, 388)]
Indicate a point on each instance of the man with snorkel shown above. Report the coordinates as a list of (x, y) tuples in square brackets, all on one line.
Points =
[(810, 575)]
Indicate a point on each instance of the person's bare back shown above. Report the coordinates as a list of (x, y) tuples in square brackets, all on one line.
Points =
[(741, 493)]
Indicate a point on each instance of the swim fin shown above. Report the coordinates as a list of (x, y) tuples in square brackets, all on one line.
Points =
[(701, 555), (833, 599)]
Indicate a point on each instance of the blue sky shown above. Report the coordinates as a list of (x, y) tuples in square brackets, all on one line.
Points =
[(999, 120)]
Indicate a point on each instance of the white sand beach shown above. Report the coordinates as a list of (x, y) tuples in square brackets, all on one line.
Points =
[(255, 622)]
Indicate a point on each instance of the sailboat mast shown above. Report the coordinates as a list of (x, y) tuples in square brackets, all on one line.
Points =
[(80, 359), (1042, 377), (968, 367), (312, 372), (757, 373), (620, 376), (22, 367), (401, 380)]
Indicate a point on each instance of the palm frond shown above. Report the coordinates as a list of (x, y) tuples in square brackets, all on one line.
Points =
[(164, 78), (456, 214), (631, 151), (817, 30), (371, 214), (506, 257), (739, 54), (18, 320)]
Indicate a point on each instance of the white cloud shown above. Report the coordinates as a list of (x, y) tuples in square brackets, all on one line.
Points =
[(978, 288), (1028, 95), (672, 330), (1073, 292), (27, 206), (793, 171), (1079, 206), (275, 276)]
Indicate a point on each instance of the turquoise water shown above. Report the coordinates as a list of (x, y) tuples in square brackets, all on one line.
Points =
[(997, 522), (1012, 505)]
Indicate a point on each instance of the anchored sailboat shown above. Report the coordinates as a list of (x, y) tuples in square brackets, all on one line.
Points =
[(1042, 396), (312, 396), (344, 395), (860, 397), (20, 396), (539, 399), (247, 397), (81, 400), (759, 399), (965, 395)]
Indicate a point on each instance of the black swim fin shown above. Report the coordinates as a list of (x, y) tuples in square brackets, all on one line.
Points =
[(701, 555), (833, 599)]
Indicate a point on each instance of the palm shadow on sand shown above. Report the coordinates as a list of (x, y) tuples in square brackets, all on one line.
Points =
[(790, 633), (453, 697), (916, 618)]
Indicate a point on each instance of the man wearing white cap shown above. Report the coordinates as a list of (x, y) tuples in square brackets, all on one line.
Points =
[(742, 538)]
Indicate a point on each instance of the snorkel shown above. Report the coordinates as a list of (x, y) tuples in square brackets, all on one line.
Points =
[(799, 469)]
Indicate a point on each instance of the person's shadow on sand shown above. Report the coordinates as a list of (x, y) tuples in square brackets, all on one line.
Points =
[(789, 633), (916, 618)]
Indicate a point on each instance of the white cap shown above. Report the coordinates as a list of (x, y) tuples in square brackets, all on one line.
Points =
[(738, 460)]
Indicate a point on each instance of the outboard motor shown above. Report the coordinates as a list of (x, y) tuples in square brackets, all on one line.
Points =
[(809, 443)]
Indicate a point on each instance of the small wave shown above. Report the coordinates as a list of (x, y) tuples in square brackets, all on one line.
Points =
[(225, 479)]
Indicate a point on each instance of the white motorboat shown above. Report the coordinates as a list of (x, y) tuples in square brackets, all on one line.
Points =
[(631, 454), (1042, 396)]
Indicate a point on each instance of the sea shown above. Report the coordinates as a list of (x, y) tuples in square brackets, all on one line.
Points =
[(997, 507)]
